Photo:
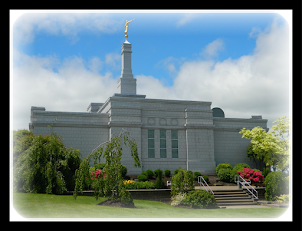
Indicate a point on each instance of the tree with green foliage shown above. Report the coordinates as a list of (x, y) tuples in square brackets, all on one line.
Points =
[(159, 180), (271, 148), (276, 184), (22, 140), (182, 182), (112, 182), (46, 165)]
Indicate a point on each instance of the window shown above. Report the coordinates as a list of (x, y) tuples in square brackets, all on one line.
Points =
[(163, 148), (151, 145), (174, 141)]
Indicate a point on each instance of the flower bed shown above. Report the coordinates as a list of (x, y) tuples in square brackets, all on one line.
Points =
[(131, 184), (256, 177)]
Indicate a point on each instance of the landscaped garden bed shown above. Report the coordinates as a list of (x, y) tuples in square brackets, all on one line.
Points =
[(116, 203)]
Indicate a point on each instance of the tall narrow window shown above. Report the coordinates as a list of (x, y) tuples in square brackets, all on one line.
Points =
[(163, 148), (151, 146), (174, 141)]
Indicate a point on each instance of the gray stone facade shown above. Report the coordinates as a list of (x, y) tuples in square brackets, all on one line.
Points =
[(169, 133)]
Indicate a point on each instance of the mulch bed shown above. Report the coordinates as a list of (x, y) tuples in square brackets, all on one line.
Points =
[(116, 203), (212, 179)]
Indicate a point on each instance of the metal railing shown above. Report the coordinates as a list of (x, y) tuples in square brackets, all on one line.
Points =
[(240, 181), (201, 183)]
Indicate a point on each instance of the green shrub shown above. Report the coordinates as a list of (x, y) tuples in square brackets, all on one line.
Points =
[(196, 175), (206, 178), (142, 177), (224, 174), (284, 198), (139, 185), (47, 166), (99, 166), (126, 197), (123, 171), (237, 167), (176, 171), (167, 173), (223, 166), (276, 183), (157, 172), (149, 173), (159, 181), (182, 182), (199, 199), (265, 171)]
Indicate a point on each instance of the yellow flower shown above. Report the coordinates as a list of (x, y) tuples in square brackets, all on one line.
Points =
[(129, 182)]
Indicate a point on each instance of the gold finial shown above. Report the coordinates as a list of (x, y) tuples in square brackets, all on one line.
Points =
[(126, 28)]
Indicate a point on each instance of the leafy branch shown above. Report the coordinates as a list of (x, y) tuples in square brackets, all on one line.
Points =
[(111, 184)]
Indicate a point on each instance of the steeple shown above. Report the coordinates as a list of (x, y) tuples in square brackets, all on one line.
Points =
[(126, 85)]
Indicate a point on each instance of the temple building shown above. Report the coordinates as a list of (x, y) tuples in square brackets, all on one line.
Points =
[(169, 133)]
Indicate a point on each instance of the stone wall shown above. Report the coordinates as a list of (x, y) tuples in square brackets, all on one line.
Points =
[(204, 141)]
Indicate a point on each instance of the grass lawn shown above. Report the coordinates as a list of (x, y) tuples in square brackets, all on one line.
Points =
[(31, 205)]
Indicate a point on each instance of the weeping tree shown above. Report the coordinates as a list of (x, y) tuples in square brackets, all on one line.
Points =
[(108, 182), (45, 165)]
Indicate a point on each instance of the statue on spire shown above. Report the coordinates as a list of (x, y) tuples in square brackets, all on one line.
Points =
[(126, 28)]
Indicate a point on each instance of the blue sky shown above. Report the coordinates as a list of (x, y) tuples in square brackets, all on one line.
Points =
[(65, 60)]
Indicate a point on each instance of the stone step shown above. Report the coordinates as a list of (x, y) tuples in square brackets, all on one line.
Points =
[(236, 203), (229, 192), (232, 198), (231, 195)]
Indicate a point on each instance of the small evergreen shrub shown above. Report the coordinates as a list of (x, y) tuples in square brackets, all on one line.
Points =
[(157, 172), (149, 173), (223, 165), (276, 184), (167, 173), (99, 166), (196, 175), (159, 181), (142, 177), (237, 167), (206, 178), (199, 199), (224, 174), (176, 171)]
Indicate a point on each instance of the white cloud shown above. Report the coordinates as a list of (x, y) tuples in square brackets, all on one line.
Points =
[(212, 49), (95, 64), (153, 88), (67, 24), (186, 18), (254, 84), (72, 88), (113, 60)]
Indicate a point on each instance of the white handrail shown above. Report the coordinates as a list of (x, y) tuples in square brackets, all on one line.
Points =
[(200, 183), (243, 182)]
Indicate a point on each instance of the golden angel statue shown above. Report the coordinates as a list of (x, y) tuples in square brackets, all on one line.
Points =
[(126, 27)]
